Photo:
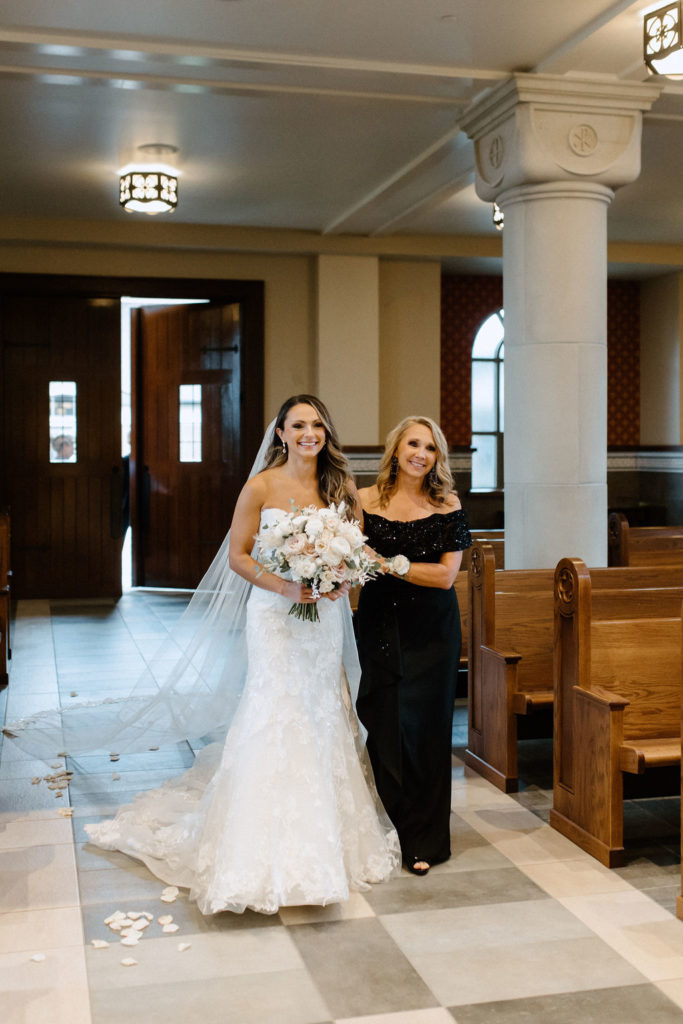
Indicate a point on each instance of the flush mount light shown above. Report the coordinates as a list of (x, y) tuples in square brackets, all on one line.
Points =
[(149, 185), (662, 46)]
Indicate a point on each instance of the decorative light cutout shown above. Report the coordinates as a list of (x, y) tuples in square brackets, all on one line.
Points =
[(148, 186), (662, 45), (498, 217), (190, 422)]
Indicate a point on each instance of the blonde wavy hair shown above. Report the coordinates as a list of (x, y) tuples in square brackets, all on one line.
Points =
[(335, 481), (437, 484)]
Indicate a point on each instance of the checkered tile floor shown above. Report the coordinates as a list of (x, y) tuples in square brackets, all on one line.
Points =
[(519, 926)]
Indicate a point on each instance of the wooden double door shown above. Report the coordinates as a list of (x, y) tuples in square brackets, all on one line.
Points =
[(64, 335)]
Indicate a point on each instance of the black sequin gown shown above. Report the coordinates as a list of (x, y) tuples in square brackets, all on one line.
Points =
[(409, 642)]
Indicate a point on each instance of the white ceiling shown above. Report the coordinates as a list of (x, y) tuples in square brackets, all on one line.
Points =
[(329, 116)]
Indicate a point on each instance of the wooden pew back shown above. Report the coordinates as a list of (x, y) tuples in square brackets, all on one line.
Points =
[(640, 660), (643, 545)]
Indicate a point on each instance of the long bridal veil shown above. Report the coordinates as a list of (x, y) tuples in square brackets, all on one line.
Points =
[(191, 686)]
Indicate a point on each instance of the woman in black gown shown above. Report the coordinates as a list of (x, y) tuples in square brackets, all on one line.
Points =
[(409, 637)]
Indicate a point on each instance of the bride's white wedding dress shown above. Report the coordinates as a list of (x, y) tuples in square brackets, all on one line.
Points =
[(284, 812)]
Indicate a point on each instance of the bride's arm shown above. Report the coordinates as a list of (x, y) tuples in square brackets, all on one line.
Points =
[(245, 525)]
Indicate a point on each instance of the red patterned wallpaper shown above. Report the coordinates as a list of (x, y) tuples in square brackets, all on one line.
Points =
[(623, 362), (466, 302)]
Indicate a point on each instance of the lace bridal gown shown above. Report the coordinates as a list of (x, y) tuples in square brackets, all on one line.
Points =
[(285, 812)]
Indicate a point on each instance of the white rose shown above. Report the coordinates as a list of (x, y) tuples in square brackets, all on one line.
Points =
[(303, 567), (283, 528), (326, 583), (314, 526), (340, 547), (295, 544), (352, 533), (399, 564)]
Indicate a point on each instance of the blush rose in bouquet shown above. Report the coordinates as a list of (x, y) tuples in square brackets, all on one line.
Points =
[(318, 547)]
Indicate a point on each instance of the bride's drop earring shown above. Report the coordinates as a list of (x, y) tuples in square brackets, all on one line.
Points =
[(284, 447)]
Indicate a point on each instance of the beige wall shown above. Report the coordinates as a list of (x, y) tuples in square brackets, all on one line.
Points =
[(410, 341), (661, 315)]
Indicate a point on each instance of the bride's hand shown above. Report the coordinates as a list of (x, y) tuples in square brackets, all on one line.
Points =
[(341, 591), (298, 593)]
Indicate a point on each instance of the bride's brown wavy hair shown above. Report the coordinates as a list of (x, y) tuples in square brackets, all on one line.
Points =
[(335, 481), (437, 484)]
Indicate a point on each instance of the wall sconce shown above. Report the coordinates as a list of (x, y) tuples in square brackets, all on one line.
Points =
[(498, 217), (147, 185), (662, 46)]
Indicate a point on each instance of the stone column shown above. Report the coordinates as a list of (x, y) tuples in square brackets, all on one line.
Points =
[(550, 150)]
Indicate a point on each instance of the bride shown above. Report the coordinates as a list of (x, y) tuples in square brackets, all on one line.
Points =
[(285, 812)]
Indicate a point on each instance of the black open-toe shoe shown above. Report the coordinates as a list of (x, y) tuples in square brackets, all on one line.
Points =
[(412, 866)]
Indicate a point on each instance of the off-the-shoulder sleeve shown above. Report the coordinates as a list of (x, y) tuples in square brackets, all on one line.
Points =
[(456, 535)]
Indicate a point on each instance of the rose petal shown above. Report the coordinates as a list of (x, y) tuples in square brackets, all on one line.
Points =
[(38, 958), (182, 946), (99, 944), (170, 928), (165, 919), (167, 899), (129, 962), (131, 940)]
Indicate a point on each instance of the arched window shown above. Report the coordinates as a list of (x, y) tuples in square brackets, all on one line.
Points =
[(487, 404)]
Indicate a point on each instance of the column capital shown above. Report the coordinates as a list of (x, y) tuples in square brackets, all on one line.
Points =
[(541, 128)]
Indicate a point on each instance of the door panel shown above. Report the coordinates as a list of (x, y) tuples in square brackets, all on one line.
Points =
[(64, 538), (185, 507)]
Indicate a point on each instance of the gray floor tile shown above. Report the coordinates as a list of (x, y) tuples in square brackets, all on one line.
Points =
[(437, 890), (359, 969), (634, 1004)]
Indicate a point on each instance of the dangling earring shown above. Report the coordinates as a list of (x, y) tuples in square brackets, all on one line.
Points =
[(284, 447), (393, 472)]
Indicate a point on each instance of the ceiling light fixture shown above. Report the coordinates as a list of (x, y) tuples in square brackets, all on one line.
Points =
[(498, 217), (662, 45), (149, 185)]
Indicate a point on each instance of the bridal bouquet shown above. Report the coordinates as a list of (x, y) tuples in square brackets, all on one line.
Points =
[(318, 547)]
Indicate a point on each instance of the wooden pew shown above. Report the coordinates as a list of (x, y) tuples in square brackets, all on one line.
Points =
[(496, 538), (643, 545), (617, 698), (510, 646), (511, 641), (5, 575)]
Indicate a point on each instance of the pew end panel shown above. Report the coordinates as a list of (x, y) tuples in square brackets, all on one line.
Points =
[(492, 750), (617, 710)]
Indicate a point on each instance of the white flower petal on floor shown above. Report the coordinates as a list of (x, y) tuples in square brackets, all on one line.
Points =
[(129, 961), (182, 946), (38, 958), (99, 944)]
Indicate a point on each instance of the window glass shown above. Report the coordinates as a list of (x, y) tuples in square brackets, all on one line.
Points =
[(190, 422), (62, 420), (484, 395), (489, 337), (484, 461), (487, 403)]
